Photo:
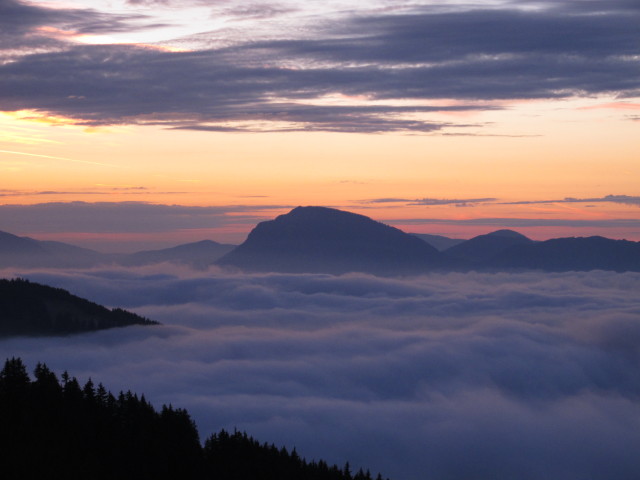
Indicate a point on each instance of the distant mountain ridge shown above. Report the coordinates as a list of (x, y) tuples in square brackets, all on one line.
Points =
[(440, 242), (18, 251), (483, 248), (28, 308), (571, 254), (197, 254), (326, 240), (27, 252)]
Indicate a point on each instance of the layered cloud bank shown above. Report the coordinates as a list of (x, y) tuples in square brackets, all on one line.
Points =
[(452, 376), (275, 78), (132, 226)]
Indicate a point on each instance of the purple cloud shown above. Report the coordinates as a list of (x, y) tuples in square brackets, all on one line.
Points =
[(444, 376)]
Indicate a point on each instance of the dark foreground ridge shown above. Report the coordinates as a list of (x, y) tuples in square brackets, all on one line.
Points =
[(61, 430), (326, 240), (28, 308)]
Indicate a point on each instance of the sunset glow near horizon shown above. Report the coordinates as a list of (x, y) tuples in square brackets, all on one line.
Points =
[(145, 123)]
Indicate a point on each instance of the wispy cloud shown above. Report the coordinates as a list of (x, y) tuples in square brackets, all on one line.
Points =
[(65, 159), (624, 199), (26, 27), (96, 191), (434, 201)]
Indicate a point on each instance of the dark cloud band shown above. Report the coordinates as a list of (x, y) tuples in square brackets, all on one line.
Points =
[(527, 222), (469, 55), (623, 199)]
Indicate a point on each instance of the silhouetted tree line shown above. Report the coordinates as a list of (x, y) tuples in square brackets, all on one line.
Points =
[(58, 429), (28, 308), (237, 456)]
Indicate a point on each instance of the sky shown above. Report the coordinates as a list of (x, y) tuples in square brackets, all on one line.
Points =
[(446, 376), (128, 125), (148, 123)]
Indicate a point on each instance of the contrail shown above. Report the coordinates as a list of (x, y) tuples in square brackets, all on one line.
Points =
[(58, 158)]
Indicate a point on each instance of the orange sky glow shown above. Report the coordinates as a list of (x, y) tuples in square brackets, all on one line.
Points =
[(455, 166)]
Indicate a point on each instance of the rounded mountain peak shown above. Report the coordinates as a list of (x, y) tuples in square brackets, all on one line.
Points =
[(313, 213), (507, 233), (322, 239)]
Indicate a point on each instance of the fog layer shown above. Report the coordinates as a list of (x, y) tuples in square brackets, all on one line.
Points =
[(448, 376)]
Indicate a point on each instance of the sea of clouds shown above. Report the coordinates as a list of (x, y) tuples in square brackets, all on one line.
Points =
[(444, 376)]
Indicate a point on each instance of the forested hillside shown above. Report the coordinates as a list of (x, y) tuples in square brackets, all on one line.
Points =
[(60, 429), (28, 308)]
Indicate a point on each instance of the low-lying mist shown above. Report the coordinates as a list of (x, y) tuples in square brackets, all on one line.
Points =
[(444, 376)]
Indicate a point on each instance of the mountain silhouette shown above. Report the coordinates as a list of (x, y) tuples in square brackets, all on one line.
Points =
[(13, 245), (571, 254), (326, 240), (484, 247), (28, 308), (28, 252), (18, 251), (439, 242), (197, 254)]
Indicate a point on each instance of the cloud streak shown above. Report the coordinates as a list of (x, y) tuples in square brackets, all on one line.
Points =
[(103, 191), (434, 201), (526, 222), (443, 376), (623, 199), (72, 160)]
